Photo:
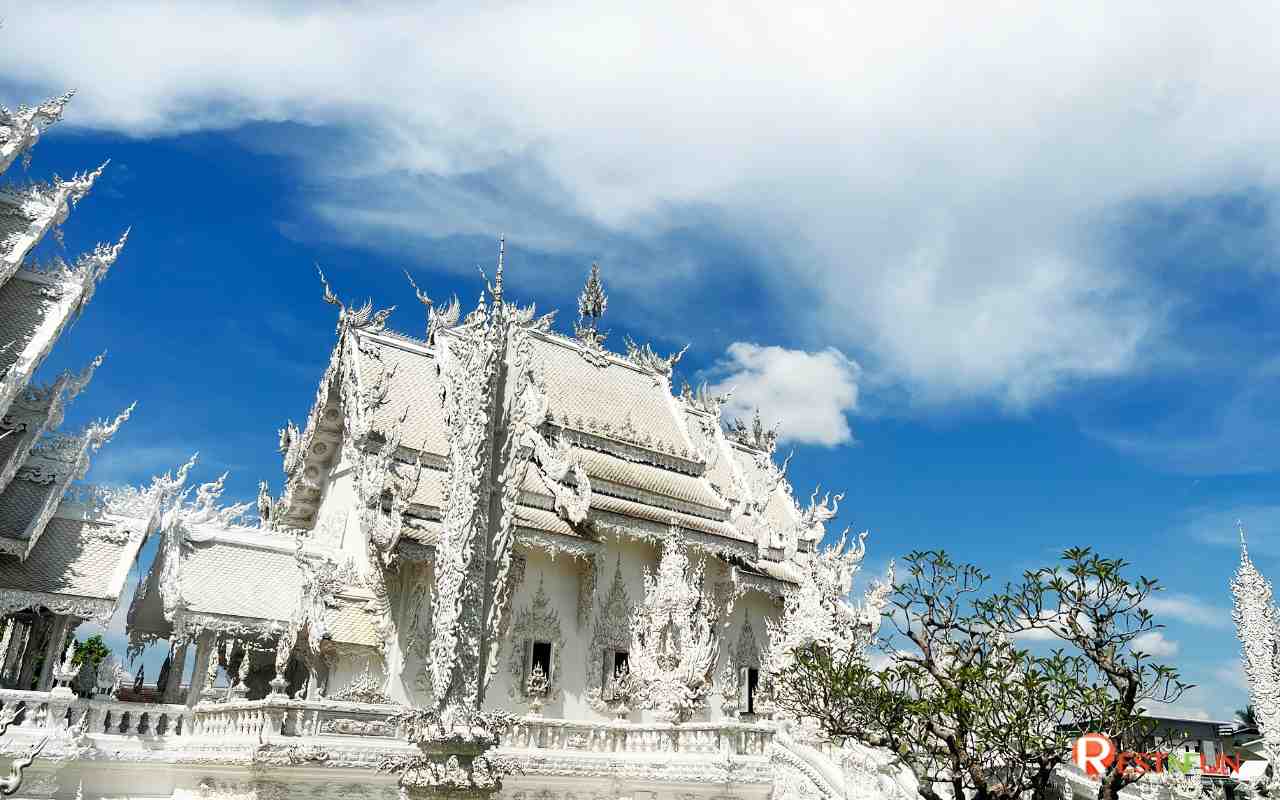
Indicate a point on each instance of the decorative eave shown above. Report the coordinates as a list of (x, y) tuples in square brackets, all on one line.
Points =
[(745, 581), (341, 413), (34, 413), (309, 453), (19, 130), (65, 290), (189, 624), (44, 207), (93, 609), (53, 463)]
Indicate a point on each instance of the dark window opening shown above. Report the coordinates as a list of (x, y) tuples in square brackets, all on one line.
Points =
[(753, 680), (620, 661), (542, 658)]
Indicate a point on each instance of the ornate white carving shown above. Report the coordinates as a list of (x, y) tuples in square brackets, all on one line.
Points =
[(488, 377), (818, 611), (437, 319), (611, 631), (20, 129), (592, 303), (363, 688), (537, 621), (1258, 626), (674, 643), (644, 357)]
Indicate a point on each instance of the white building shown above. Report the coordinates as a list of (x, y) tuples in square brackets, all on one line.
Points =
[(491, 517)]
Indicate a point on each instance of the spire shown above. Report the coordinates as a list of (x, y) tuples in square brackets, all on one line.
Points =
[(497, 278), (592, 303)]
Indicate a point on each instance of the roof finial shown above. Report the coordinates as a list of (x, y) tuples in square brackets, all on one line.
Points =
[(497, 278), (1244, 546), (592, 303)]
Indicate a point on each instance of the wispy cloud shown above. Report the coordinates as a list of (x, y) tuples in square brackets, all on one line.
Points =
[(1218, 526), (1189, 609), (894, 184)]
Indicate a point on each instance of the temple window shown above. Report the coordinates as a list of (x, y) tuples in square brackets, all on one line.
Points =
[(613, 662), (539, 658), (753, 681)]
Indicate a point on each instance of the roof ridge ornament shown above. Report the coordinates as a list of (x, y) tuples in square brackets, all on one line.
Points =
[(437, 320), (645, 357), (363, 318), (703, 399), (592, 303), (21, 129), (757, 436)]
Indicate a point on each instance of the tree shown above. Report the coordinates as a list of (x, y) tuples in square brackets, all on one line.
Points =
[(1089, 604), (961, 705), (93, 650), (1247, 717)]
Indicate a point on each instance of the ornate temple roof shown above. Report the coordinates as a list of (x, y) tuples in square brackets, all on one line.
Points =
[(652, 458), (78, 566), (50, 555)]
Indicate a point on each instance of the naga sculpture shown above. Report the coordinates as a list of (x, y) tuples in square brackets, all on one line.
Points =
[(11, 782)]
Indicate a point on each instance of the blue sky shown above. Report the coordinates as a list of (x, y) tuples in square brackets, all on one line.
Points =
[(1007, 277)]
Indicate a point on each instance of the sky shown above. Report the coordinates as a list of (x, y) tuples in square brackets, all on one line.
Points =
[(1004, 273)]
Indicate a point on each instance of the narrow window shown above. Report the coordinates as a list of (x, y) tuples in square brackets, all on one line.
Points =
[(542, 658), (620, 661), (753, 680)]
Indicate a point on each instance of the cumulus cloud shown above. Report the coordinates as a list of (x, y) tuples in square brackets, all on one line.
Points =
[(1155, 643), (920, 183), (810, 394)]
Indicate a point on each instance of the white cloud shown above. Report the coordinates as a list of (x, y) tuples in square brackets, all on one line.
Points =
[(1216, 525), (1176, 607), (1231, 674), (923, 180), (810, 394), (1155, 643)]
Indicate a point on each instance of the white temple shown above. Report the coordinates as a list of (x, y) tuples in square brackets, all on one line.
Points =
[(506, 561)]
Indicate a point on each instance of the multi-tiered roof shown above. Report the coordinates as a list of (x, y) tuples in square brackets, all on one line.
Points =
[(50, 556)]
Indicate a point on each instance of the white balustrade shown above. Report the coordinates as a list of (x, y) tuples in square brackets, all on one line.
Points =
[(51, 711), (729, 738), (273, 717)]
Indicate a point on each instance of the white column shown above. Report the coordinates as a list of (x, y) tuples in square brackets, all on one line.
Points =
[(53, 650), (204, 652), (177, 667), (36, 638), (13, 655)]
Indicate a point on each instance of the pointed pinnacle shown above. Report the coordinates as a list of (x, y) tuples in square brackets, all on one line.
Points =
[(497, 278)]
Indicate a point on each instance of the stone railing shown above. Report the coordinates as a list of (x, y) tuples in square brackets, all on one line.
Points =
[(53, 711), (698, 738), (281, 716)]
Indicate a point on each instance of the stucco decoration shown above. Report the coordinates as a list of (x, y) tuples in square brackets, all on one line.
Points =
[(21, 129), (818, 611), (438, 319), (674, 645), (536, 622), (1258, 626), (643, 356), (611, 632), (494, 404)]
